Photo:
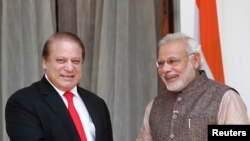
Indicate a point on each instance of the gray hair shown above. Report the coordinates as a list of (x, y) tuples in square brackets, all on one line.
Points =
[(192, 45)]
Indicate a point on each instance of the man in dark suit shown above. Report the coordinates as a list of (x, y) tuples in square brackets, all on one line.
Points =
[(41, 112)]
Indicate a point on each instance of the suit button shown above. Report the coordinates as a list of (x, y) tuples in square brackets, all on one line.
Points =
[(174, 116), (172, 135), (179, 99)]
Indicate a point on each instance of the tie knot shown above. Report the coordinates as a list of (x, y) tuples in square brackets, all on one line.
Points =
[(68, 95)]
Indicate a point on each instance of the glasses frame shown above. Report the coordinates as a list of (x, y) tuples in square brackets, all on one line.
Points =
[(178, 60)]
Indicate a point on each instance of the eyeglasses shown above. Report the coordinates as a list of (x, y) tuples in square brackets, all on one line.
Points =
[(172, 61)]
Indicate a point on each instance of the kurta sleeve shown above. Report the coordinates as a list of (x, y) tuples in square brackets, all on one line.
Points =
[(145, 133), (232, 109)]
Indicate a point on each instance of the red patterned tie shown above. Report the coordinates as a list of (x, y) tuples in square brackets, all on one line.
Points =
[(74, 115)]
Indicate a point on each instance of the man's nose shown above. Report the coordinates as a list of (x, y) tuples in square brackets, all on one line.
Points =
[(69, 66)]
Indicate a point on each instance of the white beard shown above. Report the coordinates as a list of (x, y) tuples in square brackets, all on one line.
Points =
[(185, 78)]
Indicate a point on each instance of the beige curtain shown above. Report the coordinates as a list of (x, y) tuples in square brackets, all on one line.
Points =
[(25, 26), (120, 39)]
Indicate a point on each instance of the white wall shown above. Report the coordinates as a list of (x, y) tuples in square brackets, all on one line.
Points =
[(234, 27)]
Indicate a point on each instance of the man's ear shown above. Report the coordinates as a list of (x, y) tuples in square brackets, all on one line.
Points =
[(44, 64), (196, 60)]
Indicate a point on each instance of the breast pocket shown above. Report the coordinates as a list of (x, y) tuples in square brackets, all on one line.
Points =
[(198, 127)]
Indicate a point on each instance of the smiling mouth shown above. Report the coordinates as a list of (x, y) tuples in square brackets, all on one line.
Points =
[(65, 76), (172, 78)]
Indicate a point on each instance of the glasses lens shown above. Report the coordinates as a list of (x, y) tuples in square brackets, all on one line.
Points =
[(173, 61)]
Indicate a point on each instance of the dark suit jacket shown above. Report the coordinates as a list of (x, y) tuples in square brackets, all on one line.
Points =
[(38, 113)]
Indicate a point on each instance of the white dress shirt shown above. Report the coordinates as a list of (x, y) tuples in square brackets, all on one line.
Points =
[(83, 113)]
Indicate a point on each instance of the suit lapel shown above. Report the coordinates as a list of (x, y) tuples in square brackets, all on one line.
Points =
[(55, 102), (89, 105)]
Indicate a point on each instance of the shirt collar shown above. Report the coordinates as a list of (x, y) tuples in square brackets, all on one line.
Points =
[(60, 92)]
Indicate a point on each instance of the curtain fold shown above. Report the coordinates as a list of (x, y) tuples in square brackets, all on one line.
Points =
[(26, 24), (127, 76), (120, 40)]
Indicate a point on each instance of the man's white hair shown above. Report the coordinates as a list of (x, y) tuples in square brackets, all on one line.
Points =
[(192, 45)]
